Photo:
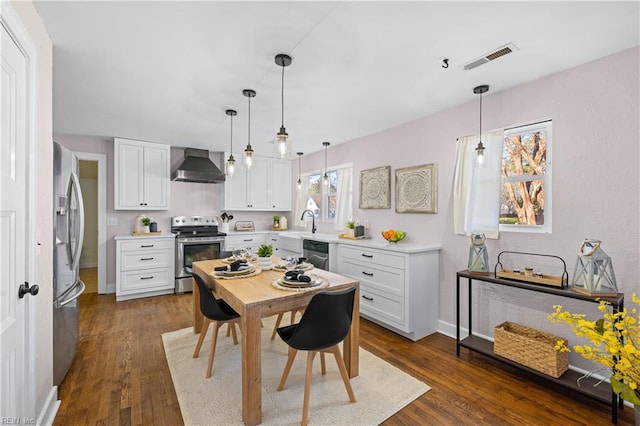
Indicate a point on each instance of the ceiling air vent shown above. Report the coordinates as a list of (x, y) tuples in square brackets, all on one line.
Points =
[(501, 51)]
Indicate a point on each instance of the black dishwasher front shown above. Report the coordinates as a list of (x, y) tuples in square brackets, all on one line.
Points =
[(317, 253)]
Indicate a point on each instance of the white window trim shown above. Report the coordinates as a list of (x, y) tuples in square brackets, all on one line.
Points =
[(547, 227)]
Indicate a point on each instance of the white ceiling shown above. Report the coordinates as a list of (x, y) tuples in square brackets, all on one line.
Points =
[(166, 71)]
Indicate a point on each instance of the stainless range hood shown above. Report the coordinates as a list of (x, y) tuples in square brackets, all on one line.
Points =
[(197, 167)]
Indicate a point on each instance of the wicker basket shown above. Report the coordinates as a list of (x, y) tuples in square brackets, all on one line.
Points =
[(530, 347)]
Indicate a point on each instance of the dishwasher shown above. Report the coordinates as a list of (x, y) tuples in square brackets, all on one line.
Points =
[(317, 253)]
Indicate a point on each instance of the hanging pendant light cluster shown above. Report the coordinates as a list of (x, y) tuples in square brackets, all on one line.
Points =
[(300, 154), (248, 151), (282, 137), (480, 148), (325, 177), (231, 162)]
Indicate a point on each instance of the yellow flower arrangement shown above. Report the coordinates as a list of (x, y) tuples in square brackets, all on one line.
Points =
[(615, 342)]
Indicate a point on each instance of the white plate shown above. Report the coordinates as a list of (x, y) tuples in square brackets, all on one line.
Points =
[(242, 271), (315, 280)]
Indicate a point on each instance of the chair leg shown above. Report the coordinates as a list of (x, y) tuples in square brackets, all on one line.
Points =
[(323, 365), (343, 371), (275, 327), (214, 339), (229, 326), (307, 387), (233, 331), (203, 333), (287, 367)]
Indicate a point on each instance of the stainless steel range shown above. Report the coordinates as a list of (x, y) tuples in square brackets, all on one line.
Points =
[(197, 238)]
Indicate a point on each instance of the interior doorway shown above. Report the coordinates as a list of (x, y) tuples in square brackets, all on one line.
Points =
[(93, 260)]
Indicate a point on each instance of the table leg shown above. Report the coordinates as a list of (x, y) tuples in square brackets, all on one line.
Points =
[(351, 345), (198, 318), (251, 367)]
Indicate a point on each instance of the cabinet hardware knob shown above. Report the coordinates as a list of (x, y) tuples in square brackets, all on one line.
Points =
[(370, 256), (367, 298), (369, 274), (146, 278), (151, 258), (146, 246)]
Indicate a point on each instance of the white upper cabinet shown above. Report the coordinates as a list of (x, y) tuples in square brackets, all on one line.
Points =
[(281, 185), (141, 175), (267, 186)]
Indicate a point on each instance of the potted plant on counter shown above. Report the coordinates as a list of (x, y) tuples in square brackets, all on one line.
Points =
[(351, 229), (264, 252), (146, 221), (276, 221)]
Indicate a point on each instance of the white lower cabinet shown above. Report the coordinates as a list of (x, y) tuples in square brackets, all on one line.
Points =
[(398, 290), (247, 241), (144, 266)]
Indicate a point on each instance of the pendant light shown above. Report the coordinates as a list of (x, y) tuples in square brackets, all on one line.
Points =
[(282, 138), (248, 151), (300, 154), (231, 162), (480, 148), (325, 178)]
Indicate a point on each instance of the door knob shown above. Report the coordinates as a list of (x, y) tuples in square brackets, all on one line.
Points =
[(25, 289)]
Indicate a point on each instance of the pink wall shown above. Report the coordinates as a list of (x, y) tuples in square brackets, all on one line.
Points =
[(594, 109)]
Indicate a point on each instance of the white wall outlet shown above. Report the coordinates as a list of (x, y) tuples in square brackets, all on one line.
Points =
[(112, 221), (366, 224)]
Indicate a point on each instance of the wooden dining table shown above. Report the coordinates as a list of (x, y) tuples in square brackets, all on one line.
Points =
[(255, 298)]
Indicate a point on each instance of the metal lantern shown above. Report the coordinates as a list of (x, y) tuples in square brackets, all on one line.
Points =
[(593, 274), (478, 258)]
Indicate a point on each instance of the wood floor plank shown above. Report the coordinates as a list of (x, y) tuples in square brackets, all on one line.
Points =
[(120, 375)]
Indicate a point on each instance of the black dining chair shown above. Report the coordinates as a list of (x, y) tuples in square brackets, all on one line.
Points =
[(324, 324), (213, 310)]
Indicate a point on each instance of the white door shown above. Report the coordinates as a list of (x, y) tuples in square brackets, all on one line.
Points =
[(156, 177), (258, 185), (281, 185), (13, 231), (128, 178)]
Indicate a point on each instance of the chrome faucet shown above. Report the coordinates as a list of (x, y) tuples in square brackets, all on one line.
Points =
[(313, 220)]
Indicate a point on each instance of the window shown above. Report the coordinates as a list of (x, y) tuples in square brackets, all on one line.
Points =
[(330, 203), (525, 191), (511, 189), (322, 199)]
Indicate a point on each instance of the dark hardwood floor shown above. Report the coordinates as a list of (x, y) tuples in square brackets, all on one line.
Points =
[(120, 375)]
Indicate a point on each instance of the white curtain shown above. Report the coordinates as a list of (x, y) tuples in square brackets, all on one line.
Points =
[(476, 187), (302, 195), (343, 198)]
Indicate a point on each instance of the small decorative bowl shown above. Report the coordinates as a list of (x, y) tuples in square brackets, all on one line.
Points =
[(393, 236)]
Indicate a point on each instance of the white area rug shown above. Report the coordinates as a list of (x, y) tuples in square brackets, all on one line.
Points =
[(381, 389)]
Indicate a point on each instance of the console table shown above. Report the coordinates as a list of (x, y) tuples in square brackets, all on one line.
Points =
[(602, 392)]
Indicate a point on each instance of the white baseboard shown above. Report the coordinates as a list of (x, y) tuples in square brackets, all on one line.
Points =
[(111, 288), (48, 413)]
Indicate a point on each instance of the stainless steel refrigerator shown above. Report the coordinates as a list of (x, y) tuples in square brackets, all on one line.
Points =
[(68, 230)]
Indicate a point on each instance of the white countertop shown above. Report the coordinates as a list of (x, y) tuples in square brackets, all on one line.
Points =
[(377, 243), (374, 243)]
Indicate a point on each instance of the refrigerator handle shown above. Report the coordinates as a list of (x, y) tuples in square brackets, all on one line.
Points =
[(78, 283), (74, 186)]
